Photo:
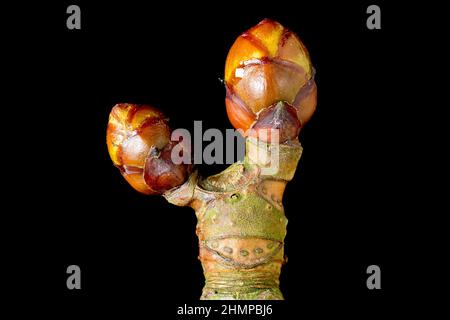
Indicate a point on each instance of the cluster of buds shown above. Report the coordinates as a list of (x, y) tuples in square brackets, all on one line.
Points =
[(270, 84)]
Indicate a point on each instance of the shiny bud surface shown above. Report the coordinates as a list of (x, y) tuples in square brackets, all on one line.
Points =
[(134, 133), (267, 64)]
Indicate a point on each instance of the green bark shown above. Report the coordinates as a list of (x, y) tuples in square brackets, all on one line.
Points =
[(241, 225)]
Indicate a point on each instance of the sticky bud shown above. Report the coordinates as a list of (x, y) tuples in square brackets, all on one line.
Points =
[(267, 64)]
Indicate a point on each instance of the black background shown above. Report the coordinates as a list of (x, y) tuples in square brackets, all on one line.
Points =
[(138, 253)]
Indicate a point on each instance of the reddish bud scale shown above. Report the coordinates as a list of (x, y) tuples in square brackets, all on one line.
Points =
[(161, 173), (281, 117)]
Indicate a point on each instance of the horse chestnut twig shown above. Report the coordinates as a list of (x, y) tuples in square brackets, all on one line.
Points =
[(241, 225)]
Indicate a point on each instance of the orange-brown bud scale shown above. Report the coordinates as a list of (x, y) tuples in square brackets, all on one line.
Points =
[(238, 113)]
